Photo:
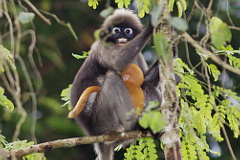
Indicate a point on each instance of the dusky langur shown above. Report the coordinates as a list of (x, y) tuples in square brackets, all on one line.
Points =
[(133, 79), (109, 102)]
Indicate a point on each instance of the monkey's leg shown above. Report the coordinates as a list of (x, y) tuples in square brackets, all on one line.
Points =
[(112, 105), (110, 112), (82, 101), (107, 149)]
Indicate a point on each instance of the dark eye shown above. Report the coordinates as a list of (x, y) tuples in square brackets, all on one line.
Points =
[(116, 30), (128, 31)]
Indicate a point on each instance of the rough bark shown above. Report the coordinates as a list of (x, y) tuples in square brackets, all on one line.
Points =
[(170, 103), (70, 142)]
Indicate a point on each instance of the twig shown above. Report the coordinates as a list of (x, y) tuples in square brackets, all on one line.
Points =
[(71, 142), (228, 143), (234, 28), (216, 59), (37, 12), (68, 25)]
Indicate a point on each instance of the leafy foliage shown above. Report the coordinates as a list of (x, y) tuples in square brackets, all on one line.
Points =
[(93, 3), (4, 101), (123, 3), (161, 44), (142, 149), (178, 23), (152, 120), (156, 14), (231, 54), (220, 33), (143, 7), (85, 55), (20, 145), (65, 95), (203, 112), (106, 12), (181, 6), (5, 57)]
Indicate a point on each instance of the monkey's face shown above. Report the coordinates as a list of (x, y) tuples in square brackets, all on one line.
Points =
[(120, 35)]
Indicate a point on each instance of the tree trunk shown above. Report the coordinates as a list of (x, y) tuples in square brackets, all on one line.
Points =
[(170, 103)]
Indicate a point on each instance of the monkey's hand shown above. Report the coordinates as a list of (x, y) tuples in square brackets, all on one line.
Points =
[(149, 28)]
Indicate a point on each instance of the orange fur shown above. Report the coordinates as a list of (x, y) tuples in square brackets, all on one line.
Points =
[(133, 79), (82, 101)]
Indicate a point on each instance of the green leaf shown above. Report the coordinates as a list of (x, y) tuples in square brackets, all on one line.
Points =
[(85, 55), (65, 95), (170, 5), (97, 34), (144, 121), (142, 149), (106, 12), (152, 120), (151, 105), (156, 123), (146, 8), (180, 66), (161, 44), (156, 14), (233, 116), (26, 17), (214, 71), (4, 101), (22, 145), (141, 13), (220, 32), (180, 9), (93, 3), (5, 55), (143, 7), (184, 4), (178, 23), (122, 3)]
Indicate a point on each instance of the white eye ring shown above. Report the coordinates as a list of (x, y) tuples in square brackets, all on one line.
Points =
[(128, 31), (116, 30)]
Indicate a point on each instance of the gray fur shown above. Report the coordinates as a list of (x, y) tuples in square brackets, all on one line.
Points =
[(108, 110)]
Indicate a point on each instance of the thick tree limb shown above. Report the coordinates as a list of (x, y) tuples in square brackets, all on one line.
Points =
[(71, 142), (170, 108)]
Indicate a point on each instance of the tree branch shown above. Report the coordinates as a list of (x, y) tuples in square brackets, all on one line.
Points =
[(215, 58), (170, 108), (71, 142)]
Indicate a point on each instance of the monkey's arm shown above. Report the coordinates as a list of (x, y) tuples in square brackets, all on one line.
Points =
[(152, 75), (118, 57), (82, 101), (134, 47)]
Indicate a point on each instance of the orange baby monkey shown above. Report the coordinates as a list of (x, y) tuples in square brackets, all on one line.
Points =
[(133, 79)]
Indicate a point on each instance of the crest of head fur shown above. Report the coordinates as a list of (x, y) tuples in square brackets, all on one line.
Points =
[(124, 16)]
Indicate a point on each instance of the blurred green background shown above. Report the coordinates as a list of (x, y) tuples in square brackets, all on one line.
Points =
[(57, 66)]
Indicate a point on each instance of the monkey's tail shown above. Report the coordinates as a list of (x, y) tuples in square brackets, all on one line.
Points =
[(82, 101)]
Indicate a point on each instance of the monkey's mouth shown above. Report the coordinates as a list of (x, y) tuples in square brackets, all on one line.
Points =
[(122, 41)]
